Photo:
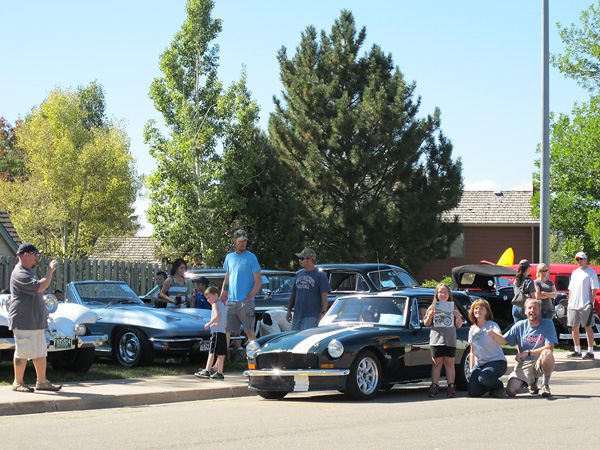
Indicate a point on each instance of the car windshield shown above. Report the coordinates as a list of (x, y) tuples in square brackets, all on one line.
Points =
[(106, 293), (379, 310), (276, 284), (389, 279)]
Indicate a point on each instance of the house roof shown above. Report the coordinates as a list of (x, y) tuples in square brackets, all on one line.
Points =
[(494, 208), (7, 230), (119, 248)]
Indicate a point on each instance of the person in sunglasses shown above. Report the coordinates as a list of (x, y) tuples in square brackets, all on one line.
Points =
[(309, 293), (545, 291)]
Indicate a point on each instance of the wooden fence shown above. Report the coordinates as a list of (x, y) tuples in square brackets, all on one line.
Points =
[(139, 276)]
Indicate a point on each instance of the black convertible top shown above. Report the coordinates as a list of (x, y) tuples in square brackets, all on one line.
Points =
[(481, 272)]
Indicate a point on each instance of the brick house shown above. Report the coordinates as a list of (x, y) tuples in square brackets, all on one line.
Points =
[(491, 222)]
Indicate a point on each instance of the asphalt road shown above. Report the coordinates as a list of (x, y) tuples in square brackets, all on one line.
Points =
[(401, 418)]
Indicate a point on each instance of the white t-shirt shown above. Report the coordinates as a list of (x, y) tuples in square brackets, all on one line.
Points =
[(485, 348), (580, 287)]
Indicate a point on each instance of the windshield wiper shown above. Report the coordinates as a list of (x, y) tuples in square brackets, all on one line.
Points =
[(121, 300)]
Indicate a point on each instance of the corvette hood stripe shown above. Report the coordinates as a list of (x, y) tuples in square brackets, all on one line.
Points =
[(305, 345)]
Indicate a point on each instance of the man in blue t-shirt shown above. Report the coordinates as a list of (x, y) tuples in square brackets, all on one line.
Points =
[(242, 282), (309, 293), (534, 338)]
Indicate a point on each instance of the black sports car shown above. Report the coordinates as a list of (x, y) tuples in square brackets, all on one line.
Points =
[(363, 344)]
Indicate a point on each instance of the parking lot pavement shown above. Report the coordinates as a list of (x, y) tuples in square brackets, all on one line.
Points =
[(157, 390)]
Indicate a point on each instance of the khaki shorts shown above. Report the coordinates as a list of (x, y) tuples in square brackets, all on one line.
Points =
[(30, 344), (527, 371), (580, 317), (240, 314)]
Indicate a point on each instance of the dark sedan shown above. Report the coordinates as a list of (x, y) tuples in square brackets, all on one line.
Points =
[(363, 344)]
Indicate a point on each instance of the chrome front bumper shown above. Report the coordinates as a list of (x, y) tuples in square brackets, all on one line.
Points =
[(76, 342), (296, 380)]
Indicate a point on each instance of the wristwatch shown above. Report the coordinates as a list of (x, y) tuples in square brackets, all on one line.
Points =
[(528, 352)]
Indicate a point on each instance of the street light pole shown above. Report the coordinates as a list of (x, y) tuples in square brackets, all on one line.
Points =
[(545, 158)]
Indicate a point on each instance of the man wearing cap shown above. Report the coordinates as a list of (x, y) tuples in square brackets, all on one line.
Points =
[(242, 282), (27, 317), (580, 309), (309, 293)]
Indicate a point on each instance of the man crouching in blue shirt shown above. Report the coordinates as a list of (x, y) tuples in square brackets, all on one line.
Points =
[(535, 338)]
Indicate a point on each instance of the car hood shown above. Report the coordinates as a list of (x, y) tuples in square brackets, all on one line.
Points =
[(306, 340)]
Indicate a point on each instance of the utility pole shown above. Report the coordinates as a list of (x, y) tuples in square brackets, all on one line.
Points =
[(545, 161)]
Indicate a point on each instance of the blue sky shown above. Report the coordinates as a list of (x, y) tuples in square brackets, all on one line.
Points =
[(478, 61)]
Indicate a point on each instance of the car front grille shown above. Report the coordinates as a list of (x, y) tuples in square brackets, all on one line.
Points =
[(285, 360)]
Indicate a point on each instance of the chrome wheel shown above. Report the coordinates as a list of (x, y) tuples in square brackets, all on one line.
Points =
[(367, 376), (129, 347)]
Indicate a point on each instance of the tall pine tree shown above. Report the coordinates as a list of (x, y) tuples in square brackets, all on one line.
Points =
[(373, 176)]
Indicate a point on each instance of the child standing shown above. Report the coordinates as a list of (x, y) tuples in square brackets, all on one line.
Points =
[(442, 340), (218, 338)]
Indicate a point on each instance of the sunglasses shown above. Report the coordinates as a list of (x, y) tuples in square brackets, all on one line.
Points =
[(301, 258), (578, 259), (543, 270)]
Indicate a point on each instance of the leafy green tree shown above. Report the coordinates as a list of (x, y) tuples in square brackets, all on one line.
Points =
[(581, 60), (575, 192), (373, 176), (83, 181), (12, 160), (214, 166)]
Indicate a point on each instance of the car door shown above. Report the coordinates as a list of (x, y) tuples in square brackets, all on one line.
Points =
[(420, 353)]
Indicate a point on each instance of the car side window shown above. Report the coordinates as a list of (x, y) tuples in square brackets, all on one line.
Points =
[(562, 282), (347, 282)]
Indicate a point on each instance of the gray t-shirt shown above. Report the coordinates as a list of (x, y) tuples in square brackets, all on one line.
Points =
[(485, 348), (27, 310), (308, 286), (439, 336), (221, 324), (548, 286)]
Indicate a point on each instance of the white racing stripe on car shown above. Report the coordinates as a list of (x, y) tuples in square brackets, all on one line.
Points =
[(304, 346)]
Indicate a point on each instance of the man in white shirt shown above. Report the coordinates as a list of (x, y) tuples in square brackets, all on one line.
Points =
[(580, 309)]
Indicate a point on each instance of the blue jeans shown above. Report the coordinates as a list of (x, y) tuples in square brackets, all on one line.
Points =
[(486, 378), (303, 323), (518, 313)]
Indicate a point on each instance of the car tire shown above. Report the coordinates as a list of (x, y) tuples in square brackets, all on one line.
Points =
[(463, 370), (132, 348), (364, 380), (272, 395), (78, 360)]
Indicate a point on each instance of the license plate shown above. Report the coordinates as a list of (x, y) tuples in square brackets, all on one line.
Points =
[(204, 346), (62, 342)]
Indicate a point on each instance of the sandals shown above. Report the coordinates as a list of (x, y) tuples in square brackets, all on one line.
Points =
[(47, 386), (21, 387)]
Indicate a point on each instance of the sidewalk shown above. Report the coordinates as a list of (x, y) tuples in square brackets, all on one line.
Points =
[(157, 390)]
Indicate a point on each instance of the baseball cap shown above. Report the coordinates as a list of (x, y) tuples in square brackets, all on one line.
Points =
[(241, 235), (28, 247), (580, 255), (307, 253)]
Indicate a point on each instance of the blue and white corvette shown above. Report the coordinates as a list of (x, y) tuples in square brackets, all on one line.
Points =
[(363, 344)]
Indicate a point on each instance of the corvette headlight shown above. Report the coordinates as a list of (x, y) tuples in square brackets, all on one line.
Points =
[(335, 349), (51, 303), (80, 329), (251, 349)]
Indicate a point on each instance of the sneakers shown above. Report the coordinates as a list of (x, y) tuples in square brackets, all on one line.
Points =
[(588, 355), (451, 390), (546, 391), (533, 388), (574, 355), (217, 376), (498, 393), (47, 386), (434, 389), (21, 387), (203, 374)]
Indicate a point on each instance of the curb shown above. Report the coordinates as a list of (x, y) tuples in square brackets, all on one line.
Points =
[(160, 390)]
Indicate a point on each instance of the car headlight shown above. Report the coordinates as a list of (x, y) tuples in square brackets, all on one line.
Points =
[(51, 303), (335, 349), (80, 329), (251, 349), (561, 311)]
